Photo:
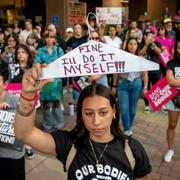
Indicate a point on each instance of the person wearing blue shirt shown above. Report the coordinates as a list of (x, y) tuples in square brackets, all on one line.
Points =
[(51, 94)]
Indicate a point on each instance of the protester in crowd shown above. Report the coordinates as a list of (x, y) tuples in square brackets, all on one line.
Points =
[(9, 51), (32, 41), (16, 29), (148, 25), (165, 40), (133, 25), (72, 43), (173, 79), (176, 16), (129, 88), (151, 51), (166, 14), (169, 27), (24, 34), (177, 30), (99, 78), (2, 40), (93, 24), (112, 40), (38, 30), (59, 41), (77, 39), (23, 61), (131, 34), (69, 33), (51, 95), (120, 31), (9, 30), (12, 163), (98, 141)]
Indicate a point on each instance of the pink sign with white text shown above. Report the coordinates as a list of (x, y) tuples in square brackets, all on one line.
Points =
[(165, 56), (15, 88), (160, 94)]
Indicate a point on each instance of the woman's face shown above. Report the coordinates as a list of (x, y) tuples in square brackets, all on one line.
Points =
[(22, 55), (162, 31), (30, 41), (78, 30), (133, 34), (11, 42), (98, 117), (112, 31), (50, 39), (1, 37), (132, 46)]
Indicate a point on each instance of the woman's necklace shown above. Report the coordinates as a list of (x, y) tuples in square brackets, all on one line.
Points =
[(98, 159)]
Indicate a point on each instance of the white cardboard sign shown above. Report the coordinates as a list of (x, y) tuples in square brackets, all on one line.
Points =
[(111, 15), (96, 58)]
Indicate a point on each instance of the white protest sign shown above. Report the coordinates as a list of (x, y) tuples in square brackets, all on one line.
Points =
[(96, 58), (111, 15)]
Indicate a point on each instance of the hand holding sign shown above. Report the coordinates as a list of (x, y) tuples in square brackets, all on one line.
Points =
[(30, 83)]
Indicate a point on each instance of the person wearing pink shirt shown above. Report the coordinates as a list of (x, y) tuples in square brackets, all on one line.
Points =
[(165, 40), (148, 25)]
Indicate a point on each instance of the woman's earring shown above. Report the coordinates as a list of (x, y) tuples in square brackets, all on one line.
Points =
[(114, 116)]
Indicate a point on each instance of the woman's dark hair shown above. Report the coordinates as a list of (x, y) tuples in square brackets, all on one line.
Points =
[(15, 37), (162, 27), (80, 133), (126, 48), (176, 55), (4, 73), (28, 51)]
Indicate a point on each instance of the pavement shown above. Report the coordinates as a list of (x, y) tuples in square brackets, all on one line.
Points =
[(149, 129)]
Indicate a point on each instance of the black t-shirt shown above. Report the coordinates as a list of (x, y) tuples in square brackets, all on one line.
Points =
[(174, 65), (75, 42), (113, 164), (151, 54)]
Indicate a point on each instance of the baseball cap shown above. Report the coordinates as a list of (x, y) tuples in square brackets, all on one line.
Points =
[(167, 20), (69, 29), (148, 31)]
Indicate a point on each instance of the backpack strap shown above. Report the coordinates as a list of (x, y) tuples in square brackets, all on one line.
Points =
[(70, 156), (129, 154)]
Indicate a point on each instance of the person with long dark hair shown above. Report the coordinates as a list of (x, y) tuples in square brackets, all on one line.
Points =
[(173, 79), (22, 62), (129, 87), (97, 138)]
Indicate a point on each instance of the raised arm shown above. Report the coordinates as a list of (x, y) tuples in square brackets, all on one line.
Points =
[(25, 116)]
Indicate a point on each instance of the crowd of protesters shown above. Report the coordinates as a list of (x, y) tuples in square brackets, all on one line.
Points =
[(21, 48)]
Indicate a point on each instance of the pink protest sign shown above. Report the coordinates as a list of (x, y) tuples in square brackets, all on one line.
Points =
[(14, 88), (160, 94), (165, 56)]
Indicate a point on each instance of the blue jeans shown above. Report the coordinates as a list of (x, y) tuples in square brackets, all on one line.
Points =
[(128, 93), (52, 115)]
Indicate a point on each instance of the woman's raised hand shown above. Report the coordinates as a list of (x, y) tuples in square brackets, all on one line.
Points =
[(31, 83)]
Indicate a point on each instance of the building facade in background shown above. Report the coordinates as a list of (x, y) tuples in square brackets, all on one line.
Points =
[(66, 12)]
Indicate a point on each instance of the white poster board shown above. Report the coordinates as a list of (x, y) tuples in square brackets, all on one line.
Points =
[(109, 14)]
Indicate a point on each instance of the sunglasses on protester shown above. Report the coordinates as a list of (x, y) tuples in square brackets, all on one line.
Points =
[(94, 38)]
